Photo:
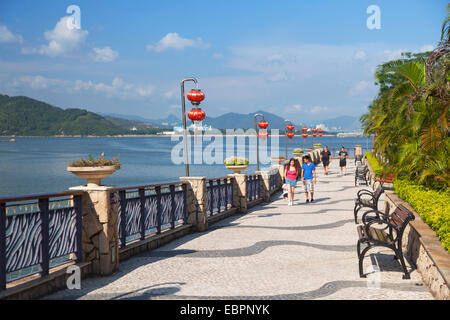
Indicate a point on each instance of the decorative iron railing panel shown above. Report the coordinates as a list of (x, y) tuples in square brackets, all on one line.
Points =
[(252, 187), (149, 209), (23, 241), (62, 233), (219, 195), (272, 182), (38, 234)]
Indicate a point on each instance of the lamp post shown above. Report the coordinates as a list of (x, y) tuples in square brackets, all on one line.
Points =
[(195, 96), (264, 125)]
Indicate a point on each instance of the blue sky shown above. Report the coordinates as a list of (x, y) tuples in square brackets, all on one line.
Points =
[(303, 60)]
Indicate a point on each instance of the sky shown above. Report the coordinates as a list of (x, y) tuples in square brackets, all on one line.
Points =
[(302, 60)]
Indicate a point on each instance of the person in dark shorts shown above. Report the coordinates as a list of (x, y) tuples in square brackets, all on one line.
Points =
[(343, 156), (325, 157), (307, 176)]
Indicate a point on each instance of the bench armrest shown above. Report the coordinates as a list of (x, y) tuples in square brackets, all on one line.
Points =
[(379, 215), (365, 191)]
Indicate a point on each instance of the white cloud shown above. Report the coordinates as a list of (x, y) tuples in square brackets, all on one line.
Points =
[(427, 47), (217, 55), (7, 36), (317, 109), (361, 87), (360, 55), (175, 42), (63, 40), (117, 89), (293, 109), (105, 54)]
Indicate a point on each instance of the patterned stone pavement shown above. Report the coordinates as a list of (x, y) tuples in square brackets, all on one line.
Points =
[(307, 251)]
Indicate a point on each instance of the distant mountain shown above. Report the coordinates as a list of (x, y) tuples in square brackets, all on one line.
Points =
[(167, 122), (233, 120), (25, 116)]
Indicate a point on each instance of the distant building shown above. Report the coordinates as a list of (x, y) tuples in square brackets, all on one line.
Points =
[(202, 128)]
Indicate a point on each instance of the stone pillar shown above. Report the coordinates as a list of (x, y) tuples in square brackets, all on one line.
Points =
[(100, 235), (264, 189), (239, 192), (280, 174), (196, 202)]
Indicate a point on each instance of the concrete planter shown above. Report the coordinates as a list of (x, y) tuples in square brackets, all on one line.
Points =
[(278, 160), (93, 174), (237, 169)]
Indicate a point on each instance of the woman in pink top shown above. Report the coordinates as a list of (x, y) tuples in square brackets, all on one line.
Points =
[(291, 172)]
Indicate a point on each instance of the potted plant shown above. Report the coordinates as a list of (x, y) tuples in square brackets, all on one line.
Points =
[(236, 164), (279, 159), (297, 152), (94, 169), (317, 145)]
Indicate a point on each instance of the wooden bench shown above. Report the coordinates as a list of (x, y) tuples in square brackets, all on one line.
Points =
[(385, 177), (367, 199), (390, 236)]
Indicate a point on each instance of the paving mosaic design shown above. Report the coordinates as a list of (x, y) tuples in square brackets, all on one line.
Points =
[(307, 251)]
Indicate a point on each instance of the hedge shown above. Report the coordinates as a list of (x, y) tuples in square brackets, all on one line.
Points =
[(432, 205), (376, 166)]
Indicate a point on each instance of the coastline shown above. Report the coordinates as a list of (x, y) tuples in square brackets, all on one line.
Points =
[(140, 136)]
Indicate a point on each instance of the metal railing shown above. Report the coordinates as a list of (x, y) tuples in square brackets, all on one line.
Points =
[(149, 209), (252, 187), (219, 195), (38, 232)]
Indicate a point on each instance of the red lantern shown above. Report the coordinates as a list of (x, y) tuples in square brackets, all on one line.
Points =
[(305, 135), (196, 115), (290, 127), (314, 129), (263, 124), (290, 135), (320, 134), (304, 129), (320, 130), (263, 134), (195, 96), (314, 134)]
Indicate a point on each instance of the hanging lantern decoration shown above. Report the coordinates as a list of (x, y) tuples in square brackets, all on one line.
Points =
[(304, 135), (304, 129), (196, 114), (290, 135), (195, 96), (263, 134), (263, 124), (290, 127)]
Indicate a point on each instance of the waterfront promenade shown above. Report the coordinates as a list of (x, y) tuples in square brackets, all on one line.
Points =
[(307, 251)]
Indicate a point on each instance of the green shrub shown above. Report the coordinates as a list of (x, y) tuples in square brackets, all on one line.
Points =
[(235, 161), (432, 205), (376, 166), (99, 162)]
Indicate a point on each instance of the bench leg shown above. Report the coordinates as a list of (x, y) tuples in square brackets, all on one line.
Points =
[(355, 212), (399, 255), (358, 248), (361, 258)]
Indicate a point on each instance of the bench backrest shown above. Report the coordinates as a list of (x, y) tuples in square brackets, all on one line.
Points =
[(377, 193), (400, 217)]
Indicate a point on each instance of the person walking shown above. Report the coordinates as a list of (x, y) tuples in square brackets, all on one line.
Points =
[(343, 156), (291, 172), (325, 157), (308, 173)]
